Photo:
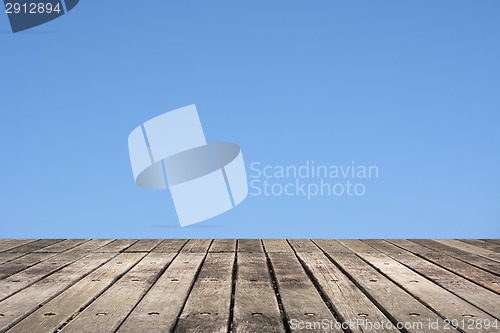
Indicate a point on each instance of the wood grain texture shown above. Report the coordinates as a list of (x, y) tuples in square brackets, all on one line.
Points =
[(471, 248), (301, 301), (90, 246), (6, 257), (170, 246), (65, 245), (223, 245), (304, 245), (483, 244), (62, 308), (196, 246), (482, 298), (208, 307), (397, 304), (117, 245), (459, 267), (107, 312), (331, 246), (276, 245), (159, 309), (493, 241), (471, 258), (420, 287), (25, 278), (248, 285), (250, 245), (10, 244), (36, 245), (256, 307), (21, 263), (144, 245), (349, 302), (23, 303)]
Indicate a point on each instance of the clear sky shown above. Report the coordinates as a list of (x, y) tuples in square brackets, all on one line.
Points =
[(412, 87)]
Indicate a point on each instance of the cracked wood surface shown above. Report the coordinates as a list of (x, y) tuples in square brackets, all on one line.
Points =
[(249, 285)]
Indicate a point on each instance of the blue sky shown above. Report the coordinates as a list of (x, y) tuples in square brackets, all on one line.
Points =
[(412, 87)]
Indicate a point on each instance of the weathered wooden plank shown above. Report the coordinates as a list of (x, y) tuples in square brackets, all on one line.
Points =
[(62, 246), (473, 259), (223, 245), (352, 306), (107, 312), (144, 245), (255, 305), (21, 304), (30, 275), (304, 245), (90, 246), (494, 241), (13, 243), (118, 245), (471, 248), (196, 246), (24, 262), (466, 270), (162, 304), (276, 245), (396, 303), (484, 244), (301, 301), (250, 245), (33, 246), (331, 246), (482, 298), (170, 246), (60, 309), (207, 308), (427, 292), (348, 286), (6, 257)]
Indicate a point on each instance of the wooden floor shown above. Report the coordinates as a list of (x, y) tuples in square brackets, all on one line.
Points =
[(249, 285)]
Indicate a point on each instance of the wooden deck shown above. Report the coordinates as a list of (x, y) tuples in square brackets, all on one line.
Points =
[(249, 285)]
